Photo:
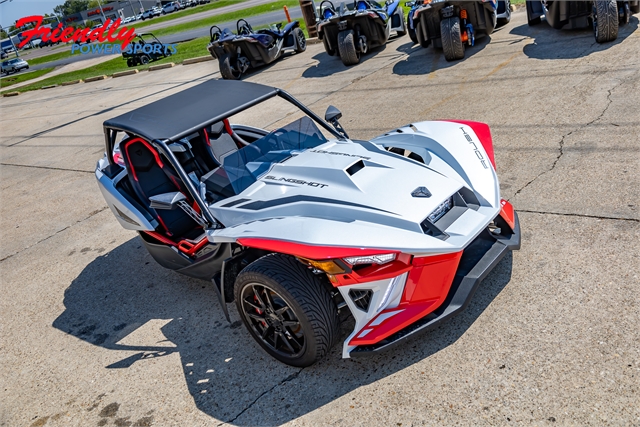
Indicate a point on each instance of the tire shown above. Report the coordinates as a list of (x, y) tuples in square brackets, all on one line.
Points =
[(412, 35), (144, 59), (330, 52), (452, 45), (130, 63), (534, 21), (605, 20), (421, 41), (226, 70), (347, 47), (505, 21), (404, 25), (287, 310), (301, 41), (635, 8)]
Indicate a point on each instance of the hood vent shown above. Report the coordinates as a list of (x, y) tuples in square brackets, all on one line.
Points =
[(357, 166), (448, 212)]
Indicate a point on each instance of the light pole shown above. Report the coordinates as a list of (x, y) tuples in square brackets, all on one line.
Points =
[(15, 49), (102, 12)]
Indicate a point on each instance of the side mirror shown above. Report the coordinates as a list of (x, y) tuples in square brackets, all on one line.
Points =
[(167, 201), (332, 114), (279, 25)]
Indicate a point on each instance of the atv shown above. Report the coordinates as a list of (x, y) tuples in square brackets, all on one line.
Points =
[(237, 53), (304, 227), (450, 24), (145, 50), (605, 16), (352, 30)]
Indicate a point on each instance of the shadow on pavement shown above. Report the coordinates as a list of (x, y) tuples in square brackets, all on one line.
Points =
[(550, 43), (329, 65), (427, 60), (123, 300)]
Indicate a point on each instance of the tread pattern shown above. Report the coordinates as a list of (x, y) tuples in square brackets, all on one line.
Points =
[(225, 69), (298, 35), (452, 46), (606, 27), (347, 47), (300, 288)]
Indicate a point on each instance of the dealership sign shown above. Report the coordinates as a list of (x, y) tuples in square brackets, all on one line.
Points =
[(112, 34)]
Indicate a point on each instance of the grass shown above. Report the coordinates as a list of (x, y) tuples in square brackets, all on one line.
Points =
[(19, 78), (225, 17)]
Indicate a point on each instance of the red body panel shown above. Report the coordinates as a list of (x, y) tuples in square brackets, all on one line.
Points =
[(308, 251), (508, 214)]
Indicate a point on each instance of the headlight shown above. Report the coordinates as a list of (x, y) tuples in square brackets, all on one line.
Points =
[(371, 259)]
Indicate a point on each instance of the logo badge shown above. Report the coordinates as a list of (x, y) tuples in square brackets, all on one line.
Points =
[(421, 192)]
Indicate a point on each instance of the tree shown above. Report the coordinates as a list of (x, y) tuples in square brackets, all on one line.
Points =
[(70, 7)]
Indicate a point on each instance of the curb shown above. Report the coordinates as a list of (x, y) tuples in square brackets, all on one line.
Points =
[(313, 40), (160, 67), (198, 59), (513, 7), (10, 94), (72, 82), (48, 87), (94, 79), (125, 73)]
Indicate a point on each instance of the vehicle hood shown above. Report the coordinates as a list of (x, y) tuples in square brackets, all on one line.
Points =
[(346, 182)]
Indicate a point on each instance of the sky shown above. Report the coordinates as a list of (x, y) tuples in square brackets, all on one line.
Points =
[(11, 11)]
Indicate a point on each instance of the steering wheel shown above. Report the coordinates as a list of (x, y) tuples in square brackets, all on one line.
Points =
[(214, 33), (243, 28), (330, 8)]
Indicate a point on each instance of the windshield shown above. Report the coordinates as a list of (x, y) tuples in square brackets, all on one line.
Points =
[(245, 166)]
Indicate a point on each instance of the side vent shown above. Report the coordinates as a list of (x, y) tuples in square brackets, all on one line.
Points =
[(351, 170), (361, 298)]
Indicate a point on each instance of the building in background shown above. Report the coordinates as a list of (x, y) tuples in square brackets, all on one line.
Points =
[(112, 10)]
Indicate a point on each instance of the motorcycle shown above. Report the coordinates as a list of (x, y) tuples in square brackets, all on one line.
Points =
[(450, 24), (352, 30), (247, 49)]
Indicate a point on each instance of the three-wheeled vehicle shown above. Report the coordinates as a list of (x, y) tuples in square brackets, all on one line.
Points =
[(304, 227), (450, 24), (353, 29), (143, 50), (605, 16), (237, 53)]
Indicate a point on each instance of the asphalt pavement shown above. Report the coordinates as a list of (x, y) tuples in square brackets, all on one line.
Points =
[(95, 333)]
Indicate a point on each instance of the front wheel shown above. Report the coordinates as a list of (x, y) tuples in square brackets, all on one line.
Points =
[(347, 47), (403, 24), (605, 20), (301, 41), (287, 310), (325, 42), (412, 35), (144, 59), (452, 45), (226, 70)]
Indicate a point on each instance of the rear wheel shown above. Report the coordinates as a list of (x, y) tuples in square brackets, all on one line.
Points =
[(605, 20), (130, 63), (301, 41), (635, 7), (347, 47), (144, 59), (452, 45), (287, 310), (226, 70)]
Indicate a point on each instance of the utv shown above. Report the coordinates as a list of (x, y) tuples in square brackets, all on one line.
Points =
[(450, 24), (604, 15), (353, 29), (145, 51)]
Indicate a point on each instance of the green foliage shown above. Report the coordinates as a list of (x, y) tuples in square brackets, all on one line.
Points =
[(22, 77), (71, 6)]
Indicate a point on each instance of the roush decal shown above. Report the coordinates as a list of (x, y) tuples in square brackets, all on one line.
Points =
[(475, 148)]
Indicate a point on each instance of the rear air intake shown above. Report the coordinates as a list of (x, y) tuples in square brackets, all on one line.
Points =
[(361, 298)]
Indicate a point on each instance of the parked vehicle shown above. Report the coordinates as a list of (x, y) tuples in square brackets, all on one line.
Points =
[(503, 12), (14, 65), (171, 7), (148, 14), (450, 24), (3, 55), (604, 16), (352, 29), (303, 231), (145, 48), (237, 53)]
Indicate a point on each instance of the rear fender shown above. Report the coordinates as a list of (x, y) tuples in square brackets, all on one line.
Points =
[(290, 26)]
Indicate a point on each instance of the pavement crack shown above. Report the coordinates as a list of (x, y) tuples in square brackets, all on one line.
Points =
[(565, 136), (289, 378), (614, 218), (45, 167), (96, 212)]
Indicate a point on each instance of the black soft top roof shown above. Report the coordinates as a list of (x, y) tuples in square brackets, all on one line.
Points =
[(183, 113)]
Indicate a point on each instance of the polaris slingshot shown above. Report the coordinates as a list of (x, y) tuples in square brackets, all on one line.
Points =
[(605, 16), (301, 229), (352, 30), (237, 53), (450, 24)]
